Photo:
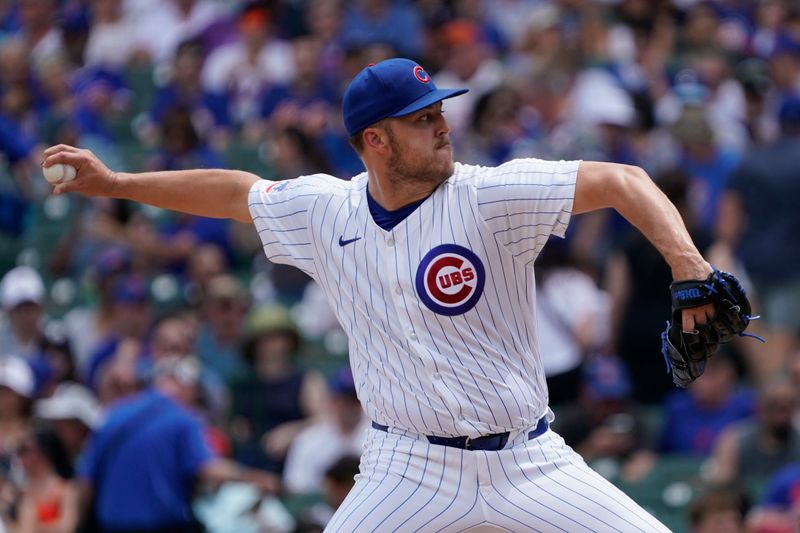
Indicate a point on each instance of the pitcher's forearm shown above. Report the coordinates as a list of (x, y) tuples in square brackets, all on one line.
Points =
[(216, 193), (207, 192)]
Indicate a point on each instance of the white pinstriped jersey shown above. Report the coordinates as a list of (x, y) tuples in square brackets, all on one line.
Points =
[(439, 310)]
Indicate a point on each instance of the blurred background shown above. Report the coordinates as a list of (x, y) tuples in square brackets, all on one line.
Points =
[(101, 299)]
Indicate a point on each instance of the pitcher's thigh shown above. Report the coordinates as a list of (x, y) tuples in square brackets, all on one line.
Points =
[(412, 487), (549, 487)]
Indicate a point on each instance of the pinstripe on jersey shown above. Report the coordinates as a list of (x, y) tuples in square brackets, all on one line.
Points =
[(472, 373)]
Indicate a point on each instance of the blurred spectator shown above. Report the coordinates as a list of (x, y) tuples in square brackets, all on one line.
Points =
[(386, 21), (469, 62), (572, 313), (37, 27), (306, 103), (695, 418), (767, 33), (315, 316), (242, 508), (144, 460), (181, 145), (538, 44), (758, 221), (323, 20), (782, 491), (719, 510), (708, 165), (784, 64), (501, 129), (184, 19), (86, 326), (208, 110), (295, 153), (110, 44), (115, 374), (706, 82), (16, 394), (111, 367), (206, 262), (342, 429), (174, 335), (599, 103), (73, 412), (54, 363), (635, 277), (101, 96), (224, 310), (49, 496), (338, 480), (276, 399), (19, 91), (753, 450), (603, 423), (22, 102), (22, 296), (246, 68)]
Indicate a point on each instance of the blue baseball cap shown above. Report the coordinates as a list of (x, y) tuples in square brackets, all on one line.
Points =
[(391, 88)]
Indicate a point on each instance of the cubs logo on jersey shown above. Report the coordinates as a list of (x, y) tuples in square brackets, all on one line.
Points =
[(450, 279)]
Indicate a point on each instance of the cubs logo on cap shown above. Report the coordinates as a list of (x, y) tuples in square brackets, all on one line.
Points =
[(450, 279)]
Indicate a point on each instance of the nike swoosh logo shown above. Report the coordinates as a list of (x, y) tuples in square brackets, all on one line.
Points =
[(343, 242)]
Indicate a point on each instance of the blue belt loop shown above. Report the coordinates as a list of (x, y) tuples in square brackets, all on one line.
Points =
[(494, 442)]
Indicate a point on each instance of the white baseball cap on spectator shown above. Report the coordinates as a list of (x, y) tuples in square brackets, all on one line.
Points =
[(71, 401), (21, 284), (16, 375)]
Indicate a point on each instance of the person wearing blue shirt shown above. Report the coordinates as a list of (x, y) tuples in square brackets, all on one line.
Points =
[(143, 461), (694, 418), (783, 489)]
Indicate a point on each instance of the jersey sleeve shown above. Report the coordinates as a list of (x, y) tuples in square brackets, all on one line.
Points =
[(281, 213), (525, 201)]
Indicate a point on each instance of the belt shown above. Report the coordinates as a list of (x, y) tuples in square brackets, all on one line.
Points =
[(494, 442)]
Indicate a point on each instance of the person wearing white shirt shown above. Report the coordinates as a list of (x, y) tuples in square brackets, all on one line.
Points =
[(163, 27), (110, 43), (320, 445), (244, 68)]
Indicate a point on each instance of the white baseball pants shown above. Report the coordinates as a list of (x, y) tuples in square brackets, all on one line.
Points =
[(406, 484)]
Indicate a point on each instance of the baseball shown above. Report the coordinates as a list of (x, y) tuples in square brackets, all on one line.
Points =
[(59, 172)]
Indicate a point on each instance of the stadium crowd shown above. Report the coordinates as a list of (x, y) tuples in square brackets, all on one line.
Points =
[(158, 374)]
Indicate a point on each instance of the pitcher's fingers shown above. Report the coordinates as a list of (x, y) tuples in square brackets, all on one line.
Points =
[(704, 314), (58, 148), (687, 321), (61, 188), (692, 317), (76, 159)]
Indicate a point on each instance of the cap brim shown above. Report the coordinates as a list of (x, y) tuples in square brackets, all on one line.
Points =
[(428, 99)]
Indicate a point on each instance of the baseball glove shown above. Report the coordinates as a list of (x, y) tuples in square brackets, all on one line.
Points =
[(686, 352)]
